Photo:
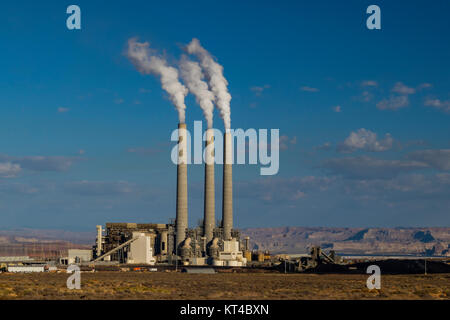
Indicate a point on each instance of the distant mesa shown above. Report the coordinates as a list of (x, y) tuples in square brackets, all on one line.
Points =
[(424, 236), (358, 236), (432, 241), (403, 241)]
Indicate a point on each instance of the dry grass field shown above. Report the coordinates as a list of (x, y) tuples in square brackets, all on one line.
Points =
[(162, 285)]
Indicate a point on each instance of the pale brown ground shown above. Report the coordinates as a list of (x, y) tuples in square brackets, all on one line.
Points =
[(161, 285)]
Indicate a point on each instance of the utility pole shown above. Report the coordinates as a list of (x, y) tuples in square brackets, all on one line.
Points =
[(425, 266)]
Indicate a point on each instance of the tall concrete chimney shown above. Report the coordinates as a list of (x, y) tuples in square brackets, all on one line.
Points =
[(99, 240), (209, 214), (227, 202), (182, 207)]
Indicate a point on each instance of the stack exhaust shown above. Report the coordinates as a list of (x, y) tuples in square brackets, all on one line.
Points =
[(227, 202), (182, 207), (209, 214)]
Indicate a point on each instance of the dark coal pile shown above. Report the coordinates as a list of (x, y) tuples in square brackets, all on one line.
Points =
[(406, 266), (391, 266), (332, 268)]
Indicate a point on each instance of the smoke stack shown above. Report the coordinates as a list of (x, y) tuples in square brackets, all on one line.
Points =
[(209, 219), (227, 202), (182, 208), (99, 240)]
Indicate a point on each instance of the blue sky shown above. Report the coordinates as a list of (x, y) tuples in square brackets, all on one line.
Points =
[(364, 114)]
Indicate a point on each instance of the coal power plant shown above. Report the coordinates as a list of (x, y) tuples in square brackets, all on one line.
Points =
[(175, 242)]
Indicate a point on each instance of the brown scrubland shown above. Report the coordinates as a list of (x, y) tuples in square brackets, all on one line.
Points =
[(235, 286)]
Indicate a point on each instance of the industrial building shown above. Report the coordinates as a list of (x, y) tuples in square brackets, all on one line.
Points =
[(76, 256), (175, 242), (26, 269), (25, 264)]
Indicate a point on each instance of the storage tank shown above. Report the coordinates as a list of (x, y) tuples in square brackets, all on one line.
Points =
[(260, 257), (248, 255)]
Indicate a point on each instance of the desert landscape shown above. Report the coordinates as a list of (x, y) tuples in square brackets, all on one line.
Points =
[(407, 241), (377, 241), (235, 286)]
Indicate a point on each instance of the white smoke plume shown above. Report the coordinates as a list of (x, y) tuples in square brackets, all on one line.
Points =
[(145, 62), (192, 75), (217, 82)]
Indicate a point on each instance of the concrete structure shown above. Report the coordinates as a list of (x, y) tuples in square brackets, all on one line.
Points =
[(26, 269), (162, 240), (12, 259), (163, 244), (182, 202), (199, 270), (199, 261), (246, 246), (209, 199), (99, 241), (231, 255), (227, 201), (76, 256), (141, 251)]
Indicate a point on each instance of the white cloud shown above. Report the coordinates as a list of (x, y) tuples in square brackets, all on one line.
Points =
[(309, 89), (406, 187), (399, 101), (369, 168), (298, 195), (148, 151), (282, 190), (326, 146), (424, 86), (396, 189), (400, 88), (99, 188), (369, 83), (366, 96), (285, 141), (259, 90), (63, 110), (40, 163), (18, 188), (393, 103), (436, 158), (364, 139), (438, 104), (9, 170)]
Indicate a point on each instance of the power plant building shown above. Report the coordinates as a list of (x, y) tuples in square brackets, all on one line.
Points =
[(175, 242)]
